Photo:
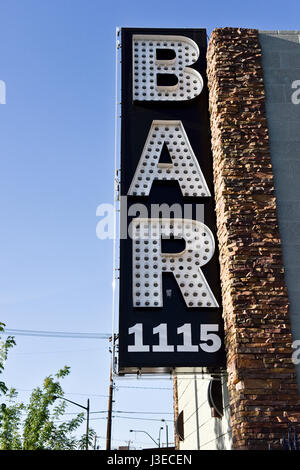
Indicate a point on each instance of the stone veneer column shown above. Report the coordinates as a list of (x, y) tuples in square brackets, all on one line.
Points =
[(264, 398)]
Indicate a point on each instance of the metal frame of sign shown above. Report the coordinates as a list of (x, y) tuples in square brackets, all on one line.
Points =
[(175, 322)]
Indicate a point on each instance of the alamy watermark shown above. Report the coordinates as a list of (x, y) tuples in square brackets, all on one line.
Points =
[(2, 92), (105, 227), (296, 353)]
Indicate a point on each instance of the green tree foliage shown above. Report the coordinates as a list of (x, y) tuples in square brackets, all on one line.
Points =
[(10, 422), (81, 445), (4, 347), (40, 428), (40, 424)]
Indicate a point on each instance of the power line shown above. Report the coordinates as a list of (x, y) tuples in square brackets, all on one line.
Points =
[(57, 334), (145, 412), (125, 412), (144, 388), (66, 393), (116, 417), (97, 395), (31, 353), (138, 418), (132, 419), (126, 440), (86, 394), (161, 413)]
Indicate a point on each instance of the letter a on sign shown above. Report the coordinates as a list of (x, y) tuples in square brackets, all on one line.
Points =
[(161, 72), (183, 166)]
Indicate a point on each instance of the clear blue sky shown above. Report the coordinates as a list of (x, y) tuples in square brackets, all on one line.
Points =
[(56, 166)]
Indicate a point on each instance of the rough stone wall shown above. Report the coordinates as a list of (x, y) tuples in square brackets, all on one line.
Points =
[(263, 392)]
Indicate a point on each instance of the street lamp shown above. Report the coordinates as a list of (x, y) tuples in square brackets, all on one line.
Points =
[(160, 429), (95, 443), (145, 432), (167, 432), (87, 409)]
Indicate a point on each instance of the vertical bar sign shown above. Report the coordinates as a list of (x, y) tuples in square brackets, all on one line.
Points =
[(170, 302)]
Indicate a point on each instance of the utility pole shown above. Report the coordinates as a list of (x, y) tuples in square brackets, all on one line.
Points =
[(167, 432), (176, 413), (87, 424), (167, 435), (109, 413), (160, 430)]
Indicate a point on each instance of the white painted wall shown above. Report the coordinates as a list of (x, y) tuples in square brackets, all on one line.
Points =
[(201, 431)]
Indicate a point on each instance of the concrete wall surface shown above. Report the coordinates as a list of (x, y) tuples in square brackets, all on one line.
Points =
[(281, 69)]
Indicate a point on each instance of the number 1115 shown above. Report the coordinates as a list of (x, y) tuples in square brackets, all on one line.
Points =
[(210, 340)]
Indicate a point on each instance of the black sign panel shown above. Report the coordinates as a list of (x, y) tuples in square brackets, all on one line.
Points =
[(170, 301)]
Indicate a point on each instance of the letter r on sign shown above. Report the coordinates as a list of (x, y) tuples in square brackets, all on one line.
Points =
[(149, 263)]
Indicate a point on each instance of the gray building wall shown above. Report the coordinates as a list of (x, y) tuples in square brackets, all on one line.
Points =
[(281, 68)]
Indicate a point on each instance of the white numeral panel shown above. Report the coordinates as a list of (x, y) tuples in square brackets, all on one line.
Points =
[(146, 66), (149, 262), (210, 340), (183, 167)]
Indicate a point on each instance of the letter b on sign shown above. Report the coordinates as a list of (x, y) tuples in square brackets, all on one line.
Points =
[(160, 68)]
